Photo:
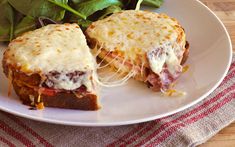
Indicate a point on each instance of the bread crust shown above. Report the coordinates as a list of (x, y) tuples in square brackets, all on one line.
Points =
[(64, 99)]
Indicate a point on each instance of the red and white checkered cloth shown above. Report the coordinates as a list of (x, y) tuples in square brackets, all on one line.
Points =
[(187, 128)]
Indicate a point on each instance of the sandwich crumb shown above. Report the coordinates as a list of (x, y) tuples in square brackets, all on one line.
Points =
[(173, 93), (185, 69), (40, 106)]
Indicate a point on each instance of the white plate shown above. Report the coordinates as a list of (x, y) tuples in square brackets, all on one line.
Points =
[(210, 57)]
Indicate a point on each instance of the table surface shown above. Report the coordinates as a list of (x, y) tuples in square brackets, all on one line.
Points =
[(225, 10)]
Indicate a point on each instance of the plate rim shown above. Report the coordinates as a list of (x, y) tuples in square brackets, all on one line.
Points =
[(120, 123)]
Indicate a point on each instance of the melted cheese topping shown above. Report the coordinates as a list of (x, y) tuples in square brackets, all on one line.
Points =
[(141, 33), (57, 47)]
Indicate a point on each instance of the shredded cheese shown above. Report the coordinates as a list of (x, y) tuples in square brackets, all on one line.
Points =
[(173, 93), (40, 106), (185, 69)]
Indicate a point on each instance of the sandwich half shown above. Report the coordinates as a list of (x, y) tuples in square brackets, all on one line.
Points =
[(52, 66), (147, 46)]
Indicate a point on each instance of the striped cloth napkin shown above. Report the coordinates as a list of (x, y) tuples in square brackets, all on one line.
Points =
[(188, 128)]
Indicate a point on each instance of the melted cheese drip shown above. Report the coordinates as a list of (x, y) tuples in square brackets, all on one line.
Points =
[(139, 33), (56, 47)]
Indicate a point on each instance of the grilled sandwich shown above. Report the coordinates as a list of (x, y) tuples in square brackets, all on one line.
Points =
[(52, 66), (147, 46)]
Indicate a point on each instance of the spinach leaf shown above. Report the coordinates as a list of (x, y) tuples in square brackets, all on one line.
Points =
[(107, 11), (26, 24), (67, 7), (89, 7), (153, 3), (129, 4), (77, 1), (29, 23), (36, 8), (6, 21), (14, 22), (110, 10), (84, 23), (126, 3), (135, 4)]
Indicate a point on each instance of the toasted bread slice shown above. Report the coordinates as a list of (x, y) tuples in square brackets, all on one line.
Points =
[(153, 46), (53, 65)]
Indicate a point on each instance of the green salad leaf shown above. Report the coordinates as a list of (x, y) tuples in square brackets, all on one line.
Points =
[(110, 10), (78, 1), (84, 23), (135, 4), (153, 3), (89, 7), (67, 7), (37, 8), (6, 21), (26, 24), (19, 16)]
